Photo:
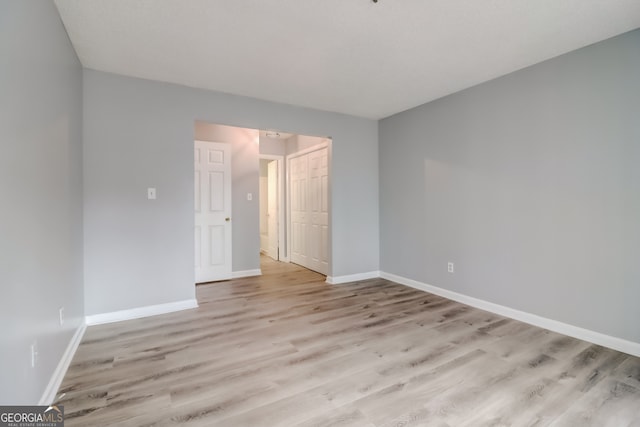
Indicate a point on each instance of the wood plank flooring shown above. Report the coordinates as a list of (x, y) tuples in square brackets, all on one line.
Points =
[(286, 349)]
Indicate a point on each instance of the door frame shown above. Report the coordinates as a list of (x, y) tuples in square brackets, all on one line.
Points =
[(326, 144), (283, 247)]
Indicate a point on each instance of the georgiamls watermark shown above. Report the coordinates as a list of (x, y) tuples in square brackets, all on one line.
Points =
[(32, 416)]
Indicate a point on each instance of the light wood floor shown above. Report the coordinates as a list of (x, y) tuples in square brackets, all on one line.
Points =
[(286, 349)]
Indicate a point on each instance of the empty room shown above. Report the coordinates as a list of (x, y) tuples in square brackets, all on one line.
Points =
[(340, 213)]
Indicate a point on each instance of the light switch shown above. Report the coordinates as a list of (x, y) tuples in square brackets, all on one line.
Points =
[(151, 193), (249, 196)]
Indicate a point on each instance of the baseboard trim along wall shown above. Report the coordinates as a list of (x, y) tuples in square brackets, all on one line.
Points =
[(136, 313), (49, 395), (615, 343), (337, 280), (246, 273)]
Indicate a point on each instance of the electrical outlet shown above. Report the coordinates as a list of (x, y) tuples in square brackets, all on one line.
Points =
[(34, 354), (450, 267), (61, 312)]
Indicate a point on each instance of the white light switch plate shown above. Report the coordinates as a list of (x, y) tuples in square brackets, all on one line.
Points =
[(151, 193)]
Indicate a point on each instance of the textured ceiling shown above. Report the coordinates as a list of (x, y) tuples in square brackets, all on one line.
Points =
[(349, 56)]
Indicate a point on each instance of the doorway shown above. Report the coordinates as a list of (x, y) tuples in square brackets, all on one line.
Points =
[(305, 202), (243, 245), (272, 208)]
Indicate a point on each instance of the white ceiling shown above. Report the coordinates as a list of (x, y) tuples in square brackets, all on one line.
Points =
[(349, 56)]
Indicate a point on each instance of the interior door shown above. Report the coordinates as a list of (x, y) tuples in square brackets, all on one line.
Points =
[(212, 181), (309, 206), (319, 210), (272, 209), (298, 202)]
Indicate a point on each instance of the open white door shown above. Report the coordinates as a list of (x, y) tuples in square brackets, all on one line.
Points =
[(272, 209), (212, 182)]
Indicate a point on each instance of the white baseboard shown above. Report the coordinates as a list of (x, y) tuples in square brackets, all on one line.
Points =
[(49, 395), (246, 273), (615, 343), (336, 280), (136, 313)]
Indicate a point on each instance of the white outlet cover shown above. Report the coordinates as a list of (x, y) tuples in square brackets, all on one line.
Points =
[(34, 354)]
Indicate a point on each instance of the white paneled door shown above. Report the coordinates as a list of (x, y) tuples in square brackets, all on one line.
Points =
[(318, 210), (212, 183), (309, 202), (298, 175)]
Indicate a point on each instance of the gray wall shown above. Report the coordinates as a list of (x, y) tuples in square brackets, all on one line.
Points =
[(530, 183), (40, 186), (139, 133), (273, 146), (298, 143)]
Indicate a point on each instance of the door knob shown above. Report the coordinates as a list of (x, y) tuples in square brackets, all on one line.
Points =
[(227, 219)]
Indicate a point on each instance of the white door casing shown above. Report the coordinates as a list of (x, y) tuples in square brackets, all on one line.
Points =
[(212, 196), (272, 209)]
